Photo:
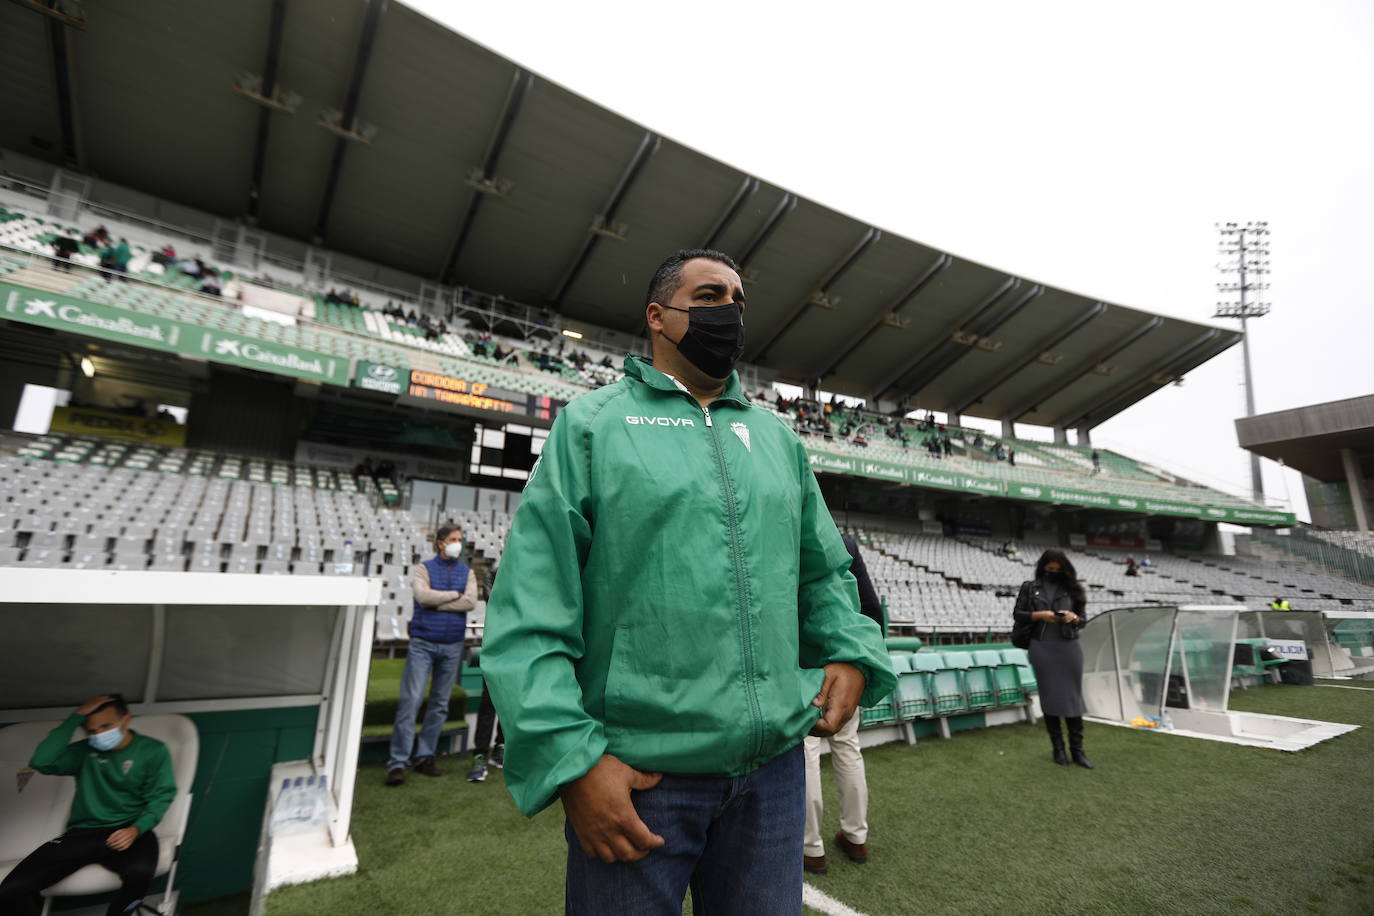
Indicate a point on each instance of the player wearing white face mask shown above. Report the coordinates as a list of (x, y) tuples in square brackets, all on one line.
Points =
[(124, 785), (445, 590)]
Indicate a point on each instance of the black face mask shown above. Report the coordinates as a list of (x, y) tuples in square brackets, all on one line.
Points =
[(1055, 576), (714, 340)]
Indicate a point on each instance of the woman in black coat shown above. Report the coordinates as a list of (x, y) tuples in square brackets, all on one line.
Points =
[(1054, 606)]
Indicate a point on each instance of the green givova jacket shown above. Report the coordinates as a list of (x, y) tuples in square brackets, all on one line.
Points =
[(668, 573)]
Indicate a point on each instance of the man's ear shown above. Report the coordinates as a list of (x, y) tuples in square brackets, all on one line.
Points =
[(653, 316)]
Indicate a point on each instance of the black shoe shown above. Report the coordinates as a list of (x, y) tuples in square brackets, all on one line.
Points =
[(428, 767), (1082, 759), (1059, 757), (395, 776)]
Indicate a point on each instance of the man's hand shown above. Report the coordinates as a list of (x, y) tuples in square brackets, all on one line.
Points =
[(839, 697), (91, 705), (121, 840), (603, 817)]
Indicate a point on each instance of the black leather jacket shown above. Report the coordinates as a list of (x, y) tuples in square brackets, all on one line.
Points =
[(1034, 597)]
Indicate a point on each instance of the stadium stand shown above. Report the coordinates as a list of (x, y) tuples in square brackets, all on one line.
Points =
[(361, 331)]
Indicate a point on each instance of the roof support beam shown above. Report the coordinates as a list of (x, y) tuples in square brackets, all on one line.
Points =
[(62, 84), (964, 402), (366, 38), (854, 253), (515, 97), (770, 225), (648, 145), (747, 187), (1170, 367), (943, 337), (935, 367), (275, 28), (1082, 369), (884, 313)]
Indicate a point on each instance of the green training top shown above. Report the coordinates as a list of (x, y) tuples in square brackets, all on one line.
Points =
[(133, 785)]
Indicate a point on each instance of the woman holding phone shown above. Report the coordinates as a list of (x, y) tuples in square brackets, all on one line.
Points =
[(1054, 605)]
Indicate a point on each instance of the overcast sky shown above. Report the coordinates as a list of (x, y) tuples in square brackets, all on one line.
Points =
[(1087, 145)]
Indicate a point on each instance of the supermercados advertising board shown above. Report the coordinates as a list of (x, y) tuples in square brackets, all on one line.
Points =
[(832, 463), (50, 310)]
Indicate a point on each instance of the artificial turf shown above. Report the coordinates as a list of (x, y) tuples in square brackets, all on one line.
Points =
[(981, 823)]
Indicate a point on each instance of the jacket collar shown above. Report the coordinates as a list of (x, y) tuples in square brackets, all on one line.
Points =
[(642, 370)]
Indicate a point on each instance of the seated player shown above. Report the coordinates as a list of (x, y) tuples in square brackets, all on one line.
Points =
[(124, 784)]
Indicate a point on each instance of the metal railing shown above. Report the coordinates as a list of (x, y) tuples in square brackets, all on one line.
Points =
[(1331, 558)]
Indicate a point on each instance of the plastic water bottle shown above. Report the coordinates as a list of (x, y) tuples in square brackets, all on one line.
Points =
[(286, 812), (304, 813), (280, 809), (343, 566)]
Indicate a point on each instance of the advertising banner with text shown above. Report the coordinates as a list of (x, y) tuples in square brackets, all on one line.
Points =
[(829, 462), (106, 424), (50, 310)]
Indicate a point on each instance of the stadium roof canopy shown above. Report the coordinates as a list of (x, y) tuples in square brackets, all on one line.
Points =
[(481, 174), (1312, 438)]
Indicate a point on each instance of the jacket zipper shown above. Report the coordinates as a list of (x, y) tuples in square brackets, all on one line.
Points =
[(746, 631)]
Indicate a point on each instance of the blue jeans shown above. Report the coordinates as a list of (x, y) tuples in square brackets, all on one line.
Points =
[(735, 842), (423, 659)]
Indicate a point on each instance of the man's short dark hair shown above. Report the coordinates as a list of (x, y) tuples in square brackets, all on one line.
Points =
[(116, 701), (445, 530), (668, 277)]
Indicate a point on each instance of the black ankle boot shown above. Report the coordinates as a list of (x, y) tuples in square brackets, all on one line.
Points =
[(1076, 743), (1056, 740)]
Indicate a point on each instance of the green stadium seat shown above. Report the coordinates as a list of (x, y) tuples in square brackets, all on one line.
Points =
[(882, 713), (1025, 673), (978, 681), (914, 696), (1005, 677), (947, 686)]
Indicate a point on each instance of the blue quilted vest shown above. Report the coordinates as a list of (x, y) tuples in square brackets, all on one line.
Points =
[(445, 575)]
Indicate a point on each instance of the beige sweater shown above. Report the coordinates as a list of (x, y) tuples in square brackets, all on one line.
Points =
[(438, 600)]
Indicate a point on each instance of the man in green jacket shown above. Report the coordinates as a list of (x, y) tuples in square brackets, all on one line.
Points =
[(124, 784), (674, 614)]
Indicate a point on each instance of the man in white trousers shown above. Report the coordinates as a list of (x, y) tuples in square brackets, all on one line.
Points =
[(846, 759)]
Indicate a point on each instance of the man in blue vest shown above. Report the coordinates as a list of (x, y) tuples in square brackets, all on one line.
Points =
[(445, 590)]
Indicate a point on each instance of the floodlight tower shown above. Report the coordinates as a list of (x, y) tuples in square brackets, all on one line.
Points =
[(1244, 254)]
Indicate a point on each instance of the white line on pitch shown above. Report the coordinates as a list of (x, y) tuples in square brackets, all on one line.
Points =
[(1343, 687), (823, 902)]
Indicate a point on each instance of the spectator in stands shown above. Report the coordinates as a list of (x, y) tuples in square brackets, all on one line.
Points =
[(1146, 562), (846, 759), (1097, 462), (1010, 549), (115, 260), (99, 237), (1054, 605), (166, 256), (613, 639), (978, 441), (210, 283), (124, 785), (1280, 604), (64, 246), (1131, 568), (947, 445), (445, 590), (1011, 457)]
